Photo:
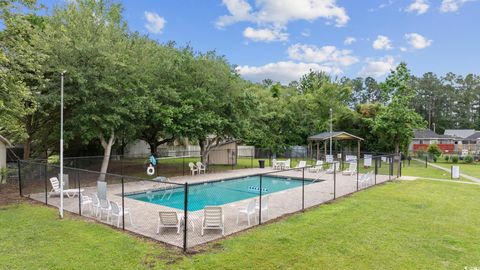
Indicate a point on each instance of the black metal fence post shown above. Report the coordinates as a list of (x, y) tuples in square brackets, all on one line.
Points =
[(183, 163), (20, 178), (399, 174), (185, 218), (123, 204), (303, 189), (334, 180), (79, 194), (45, 176), (426, 161), (260, 203), (389, 168), (358, 168), (376, 170)]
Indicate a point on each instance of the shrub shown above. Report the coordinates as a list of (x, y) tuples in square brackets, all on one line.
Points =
[(455, 159), (446, 158), (435, 159), (434, 150), (468, 159), (420, 153), (54, 159)]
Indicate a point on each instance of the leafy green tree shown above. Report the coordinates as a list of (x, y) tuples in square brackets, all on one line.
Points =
[(395, 122)]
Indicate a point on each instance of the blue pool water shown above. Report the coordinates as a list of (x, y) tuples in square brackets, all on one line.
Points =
[(218, 193)]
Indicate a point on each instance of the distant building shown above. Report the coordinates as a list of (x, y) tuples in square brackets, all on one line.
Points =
[(460, 133), (472, 143), (4, 144), (424, 137)]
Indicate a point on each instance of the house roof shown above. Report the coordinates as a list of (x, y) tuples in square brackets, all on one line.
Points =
[(5, 141), (475, 136), (429, 134), (337, 135), (462, 133)]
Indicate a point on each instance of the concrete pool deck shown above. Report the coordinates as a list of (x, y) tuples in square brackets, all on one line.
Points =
[(145, 214)]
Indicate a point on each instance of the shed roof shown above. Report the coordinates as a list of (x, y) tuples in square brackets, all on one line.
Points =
[(5, 141), (336, 135), (475, 136)]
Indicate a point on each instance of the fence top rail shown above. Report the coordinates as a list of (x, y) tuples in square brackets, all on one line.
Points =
[(96, 172)]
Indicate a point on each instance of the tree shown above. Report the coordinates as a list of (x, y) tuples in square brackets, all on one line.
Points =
[(396, 121)]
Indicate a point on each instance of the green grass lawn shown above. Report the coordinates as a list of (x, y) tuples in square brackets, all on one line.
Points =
[(417, 168), (399, 225)]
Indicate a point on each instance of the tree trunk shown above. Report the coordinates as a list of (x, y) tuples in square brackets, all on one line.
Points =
[(27, 148), (107, 147), (203, 154), (153, 147), (397, 148)]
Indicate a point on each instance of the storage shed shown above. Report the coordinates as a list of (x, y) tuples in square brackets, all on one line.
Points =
[(4, 144)]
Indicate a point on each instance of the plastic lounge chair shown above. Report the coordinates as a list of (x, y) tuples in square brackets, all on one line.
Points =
[(169, 219), (213, 219), (317, 168), (95, 204), (264, 206), (301, 164), (352, 169), (193, 168), (248, 210), (86, 201), (201, 168), (116, 211), (56, 189), (287, 164), (333, 166), (274, 164)]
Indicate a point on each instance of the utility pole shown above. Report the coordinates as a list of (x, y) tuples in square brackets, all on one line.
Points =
[(61, 144), (331, 131)]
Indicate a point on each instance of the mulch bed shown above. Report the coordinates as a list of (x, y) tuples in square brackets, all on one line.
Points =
[(9, 194)]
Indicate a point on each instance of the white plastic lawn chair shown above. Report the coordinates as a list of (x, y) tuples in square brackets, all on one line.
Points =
[(193, 168), (116, 211), (333, 168), (287, 164), (352, 169), (301, 164), (274, 164), (213, 219), (169, 219), (86, 201), (264, 206), (317, 168), (56, 189), (201, 168), (248, 210), (95, 204), (105, 207)]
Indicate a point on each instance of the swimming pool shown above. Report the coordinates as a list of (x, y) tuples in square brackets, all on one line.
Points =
[(218, 192)]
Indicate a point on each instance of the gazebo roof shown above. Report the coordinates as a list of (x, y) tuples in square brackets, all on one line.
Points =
[(336, 135), (5, 141)]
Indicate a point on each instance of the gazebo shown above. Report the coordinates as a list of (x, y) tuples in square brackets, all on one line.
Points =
[(325, 137)]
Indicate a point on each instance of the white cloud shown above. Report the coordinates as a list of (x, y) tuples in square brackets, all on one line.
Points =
[(452, 5), (278, 13), (267, 35), (349, 40), (328, 55), (378, 67), (403, 49), (417, 41), (155, 23), (284, 72), (382, 43), (418, 6), (306, 33)]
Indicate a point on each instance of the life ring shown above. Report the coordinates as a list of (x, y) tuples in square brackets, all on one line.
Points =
[(150, 170)]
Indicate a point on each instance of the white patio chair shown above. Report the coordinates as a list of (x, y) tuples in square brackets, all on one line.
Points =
[(352, 169), (105, 207), (116, 211), (201, 168), (86, 201), (274, 164), (193, 168), (169, 219), (317, 168), (287, 164), (95, 205), (301, 164), (213, 219), (264, 206), (334, 167), (71, 193), (248, 210)]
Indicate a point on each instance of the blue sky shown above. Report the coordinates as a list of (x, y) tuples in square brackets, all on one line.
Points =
[(282, 39)]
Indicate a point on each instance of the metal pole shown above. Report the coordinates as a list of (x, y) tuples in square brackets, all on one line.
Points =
[(260, 203), (46, 185), (79, 195), (123, 204), (183, 163), (185, 213), (19, 178), (61, 144), (334, 180), (331, 130), (426, 161), (303, 189), (376, 170)]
